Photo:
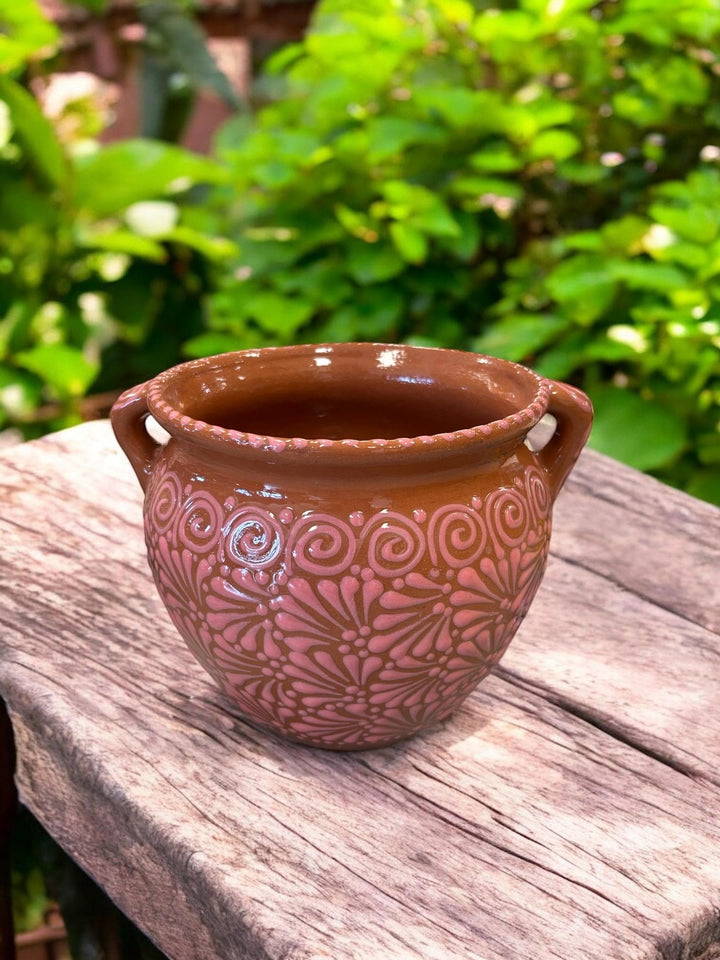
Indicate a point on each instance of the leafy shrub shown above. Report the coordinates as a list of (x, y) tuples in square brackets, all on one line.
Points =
[(535, 179), (633, 308), (101, 276)]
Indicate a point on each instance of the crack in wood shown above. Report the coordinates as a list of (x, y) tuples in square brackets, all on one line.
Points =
[(654, 601), (599, 721), (475, 831)]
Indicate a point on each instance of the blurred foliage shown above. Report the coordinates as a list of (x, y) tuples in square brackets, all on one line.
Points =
[(43, 876), (30, 899), (101, 276), (537, 179), (176, 65)]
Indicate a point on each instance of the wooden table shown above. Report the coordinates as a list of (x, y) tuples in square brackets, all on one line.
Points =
[(570, 810)]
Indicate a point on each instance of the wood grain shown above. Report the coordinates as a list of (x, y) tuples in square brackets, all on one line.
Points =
[(569, 810), (643, 536)]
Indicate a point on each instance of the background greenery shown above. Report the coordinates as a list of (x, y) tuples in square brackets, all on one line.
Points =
[(537, 179)]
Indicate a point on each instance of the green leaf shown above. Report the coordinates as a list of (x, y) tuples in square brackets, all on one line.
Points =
[(213, 248), (230, 137), (677, 79), (411, 244), (124, 173), (587, 240), (373, 262), (644, 275), (563, 359), (482, 186), (625, 235), (389, 136), (518, 336), (696, 223), (554, 145), (540, 111), (640, 109), (640, 432), (210, 343), (122, 241), (643, 21), (585, 281), (584, 174), (35, 133), (277, 314), (495, 158), (30, 899), (62, 367), (435, 220), (463, 109), (620, 342), (457, 12), (356, 223), (24, 32), (285, 57), (507, 26), (690, 255), (411, 195)]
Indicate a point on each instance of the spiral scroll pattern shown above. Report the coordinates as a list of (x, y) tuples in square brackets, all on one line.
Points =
[(457, 535), (508, 517), (354, 630), (538, 496), (200, 522), (321, 544), (252, 538), (166, 501), (395, 544)]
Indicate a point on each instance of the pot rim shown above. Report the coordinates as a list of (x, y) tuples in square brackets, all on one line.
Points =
[(485, 434)]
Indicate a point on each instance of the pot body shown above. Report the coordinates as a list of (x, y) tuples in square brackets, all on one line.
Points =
[(347, 593)]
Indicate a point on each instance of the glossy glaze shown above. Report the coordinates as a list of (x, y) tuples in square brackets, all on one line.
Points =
[(348, 536)]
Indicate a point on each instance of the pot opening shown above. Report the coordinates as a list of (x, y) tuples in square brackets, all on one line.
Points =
[(360, 392), (387, 412)]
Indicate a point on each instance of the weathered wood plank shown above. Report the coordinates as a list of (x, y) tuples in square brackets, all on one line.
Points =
[(516, 829), (580, 846), (636, 670), (645, 536)]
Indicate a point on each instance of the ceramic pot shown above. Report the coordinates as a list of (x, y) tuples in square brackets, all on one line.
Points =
[(348, 536)]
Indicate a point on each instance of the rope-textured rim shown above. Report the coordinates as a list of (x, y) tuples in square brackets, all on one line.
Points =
[(519, 422)]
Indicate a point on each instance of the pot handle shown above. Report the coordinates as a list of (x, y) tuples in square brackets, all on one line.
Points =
[(128, 416), (574, 415)]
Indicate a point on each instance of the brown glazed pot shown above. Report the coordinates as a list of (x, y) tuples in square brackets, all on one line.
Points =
[(348, 536)]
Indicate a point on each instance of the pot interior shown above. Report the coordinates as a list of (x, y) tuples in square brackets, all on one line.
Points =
[(335, 413), (337, 392)]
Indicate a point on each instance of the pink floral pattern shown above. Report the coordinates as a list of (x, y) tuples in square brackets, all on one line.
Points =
[(353, 631)]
